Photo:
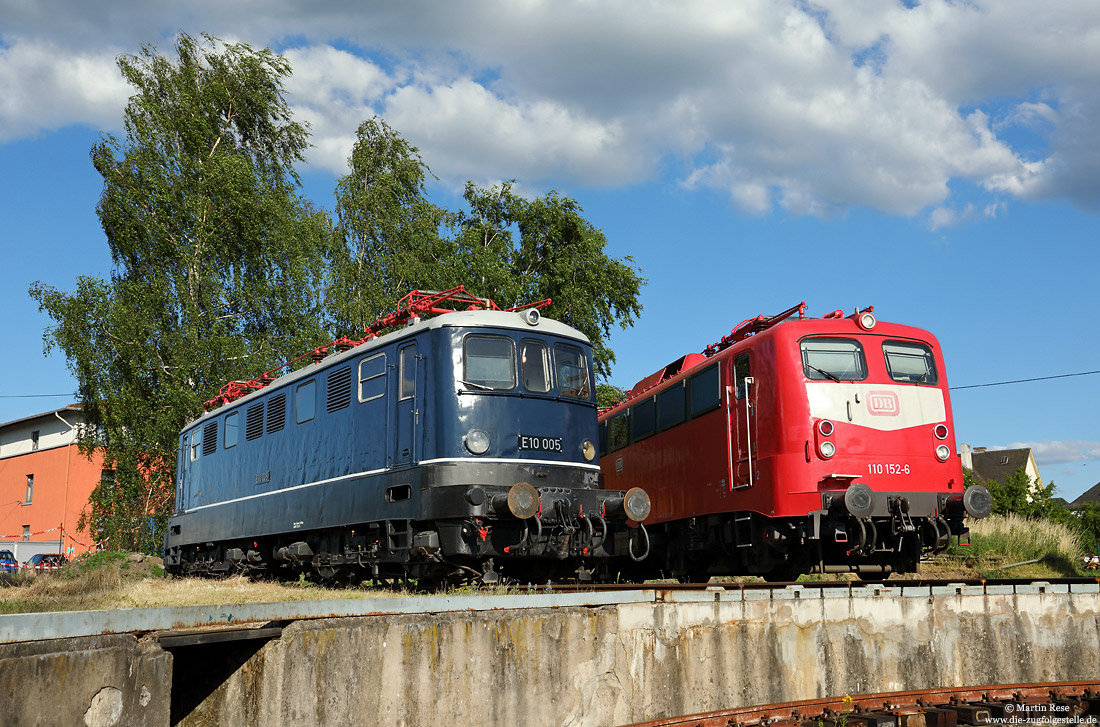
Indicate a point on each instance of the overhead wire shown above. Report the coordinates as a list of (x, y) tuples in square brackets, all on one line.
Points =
[(1022, 381)]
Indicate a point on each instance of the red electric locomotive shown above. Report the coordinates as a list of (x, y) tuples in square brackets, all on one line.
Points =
[(795, 445)]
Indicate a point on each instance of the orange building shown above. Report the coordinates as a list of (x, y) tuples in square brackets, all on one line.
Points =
[(45, 483)]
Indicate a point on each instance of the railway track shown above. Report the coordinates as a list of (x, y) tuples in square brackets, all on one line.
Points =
[(1058, 703), (893, 585)]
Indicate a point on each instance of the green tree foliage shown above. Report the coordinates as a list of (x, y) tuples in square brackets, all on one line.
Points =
[(389, 230), (216, 258), (608, 394), (528, 250), (504, 247), (1019, 494)]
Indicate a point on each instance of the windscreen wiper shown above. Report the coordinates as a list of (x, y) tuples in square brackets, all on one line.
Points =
[(834, 377), (472, 385)]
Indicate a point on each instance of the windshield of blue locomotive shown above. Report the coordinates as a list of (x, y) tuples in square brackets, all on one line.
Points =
[(529, 396)]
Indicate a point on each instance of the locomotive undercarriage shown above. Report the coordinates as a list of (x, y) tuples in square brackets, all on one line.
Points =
[(890, 538), (558, 542)]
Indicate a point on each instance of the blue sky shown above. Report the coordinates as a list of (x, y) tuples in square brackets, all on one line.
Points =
[(936, 160)]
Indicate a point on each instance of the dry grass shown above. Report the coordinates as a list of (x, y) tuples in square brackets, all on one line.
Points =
[(130, 580), (1001, 540)]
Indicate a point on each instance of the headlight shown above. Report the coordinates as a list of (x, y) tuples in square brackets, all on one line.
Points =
[(477, 441), (523, 500), (867, 321), (828, 449), (943, 452), (588, 450), (636, 504)]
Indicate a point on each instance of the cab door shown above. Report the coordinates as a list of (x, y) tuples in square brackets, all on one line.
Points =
[(405, 423), (742, 419)]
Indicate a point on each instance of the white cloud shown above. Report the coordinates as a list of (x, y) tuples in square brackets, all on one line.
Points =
[(1059, 452), (812, 107), (45, 87)]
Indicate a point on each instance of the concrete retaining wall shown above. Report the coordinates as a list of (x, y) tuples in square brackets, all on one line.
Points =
[(625, 663), (98, 681)]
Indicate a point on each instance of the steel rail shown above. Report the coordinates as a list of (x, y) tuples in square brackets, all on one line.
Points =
[(999, 702), (69, 624)]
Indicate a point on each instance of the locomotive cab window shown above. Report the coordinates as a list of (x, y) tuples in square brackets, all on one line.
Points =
[(740, 373), (833, 359), (910, 362), (704, 392), (196, 444), (534, 361), (305, 405), (489, 363), (372, 377), (572, 371)]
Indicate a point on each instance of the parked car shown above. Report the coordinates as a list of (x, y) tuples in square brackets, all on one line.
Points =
[(8, 563), (45, 562)]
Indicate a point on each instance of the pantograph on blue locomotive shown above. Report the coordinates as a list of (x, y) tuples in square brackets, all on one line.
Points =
[(457, 446)]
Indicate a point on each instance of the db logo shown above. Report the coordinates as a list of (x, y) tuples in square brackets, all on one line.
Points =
[(882, 403)]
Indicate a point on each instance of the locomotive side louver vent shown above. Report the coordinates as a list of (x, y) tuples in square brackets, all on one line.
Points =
[(254, 421), (338, 395), (210, 438), (276, 413)]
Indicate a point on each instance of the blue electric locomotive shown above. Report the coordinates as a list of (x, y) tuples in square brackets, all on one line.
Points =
[(461, 446)]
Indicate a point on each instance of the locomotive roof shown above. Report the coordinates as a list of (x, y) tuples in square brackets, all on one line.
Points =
[(455, 319), (839, 326)]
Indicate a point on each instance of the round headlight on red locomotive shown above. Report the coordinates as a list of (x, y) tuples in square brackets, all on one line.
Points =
[(825, 427), (940, 431), (866, 321), (943, 453), (827, 449)]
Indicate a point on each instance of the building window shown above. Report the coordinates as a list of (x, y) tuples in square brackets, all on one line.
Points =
[(26, 533), (30, 489), (34, 441)]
